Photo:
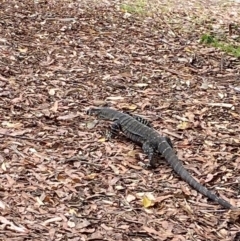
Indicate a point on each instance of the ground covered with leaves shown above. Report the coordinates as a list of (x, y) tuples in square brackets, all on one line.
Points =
[(60, 178)]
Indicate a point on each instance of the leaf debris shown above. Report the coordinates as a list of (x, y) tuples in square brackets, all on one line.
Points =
[(138, 56)]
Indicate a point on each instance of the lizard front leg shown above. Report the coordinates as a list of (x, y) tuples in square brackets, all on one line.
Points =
[(114, 130)]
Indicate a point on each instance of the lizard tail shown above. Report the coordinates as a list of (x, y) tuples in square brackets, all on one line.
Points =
[(168, 153)]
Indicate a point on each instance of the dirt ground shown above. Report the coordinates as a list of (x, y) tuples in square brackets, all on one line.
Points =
[(60, 178)]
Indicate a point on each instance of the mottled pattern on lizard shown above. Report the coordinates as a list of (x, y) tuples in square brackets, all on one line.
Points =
[(152, 142)]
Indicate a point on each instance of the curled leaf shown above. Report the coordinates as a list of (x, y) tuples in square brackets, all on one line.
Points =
[(148, 200), (183, 125)]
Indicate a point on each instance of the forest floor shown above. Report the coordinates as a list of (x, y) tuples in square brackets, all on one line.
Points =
[(175, 64)]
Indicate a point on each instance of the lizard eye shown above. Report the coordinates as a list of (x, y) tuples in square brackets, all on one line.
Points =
[(89, 112)]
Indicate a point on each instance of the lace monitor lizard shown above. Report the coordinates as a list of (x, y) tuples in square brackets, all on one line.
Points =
[(139, 131)]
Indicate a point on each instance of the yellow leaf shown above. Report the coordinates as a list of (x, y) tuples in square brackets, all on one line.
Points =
[(23, 50), (147, 202), (132, 153), (188, 50), (72, 211), (102, 139), (91, 176), (183, 125)]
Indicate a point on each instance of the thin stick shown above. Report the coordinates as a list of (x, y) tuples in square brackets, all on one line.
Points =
[(22, 137)]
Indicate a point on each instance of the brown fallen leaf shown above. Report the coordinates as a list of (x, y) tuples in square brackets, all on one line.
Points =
[(209, 177), (130, 198), (16, 125), (92, 124), (51, 220), (160, 199), (71, 224), (161, 233), (54, 107), (2, 205), (68, 117), (39, 201), (18, 99), (83, 224)]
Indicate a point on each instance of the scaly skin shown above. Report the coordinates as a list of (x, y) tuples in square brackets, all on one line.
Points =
[(137, 131)]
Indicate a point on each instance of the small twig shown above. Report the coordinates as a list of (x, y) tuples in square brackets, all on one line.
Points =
[(180, 118), (228, 184), (170, 71), (222, 63), (226, 105), (22, 138), (132, 221), (212, 211), (82, 160), (172, 134), (61, 19)]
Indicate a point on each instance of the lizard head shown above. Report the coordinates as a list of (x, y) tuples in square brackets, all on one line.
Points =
[(99, 112), (93, 111), (104, 113)]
